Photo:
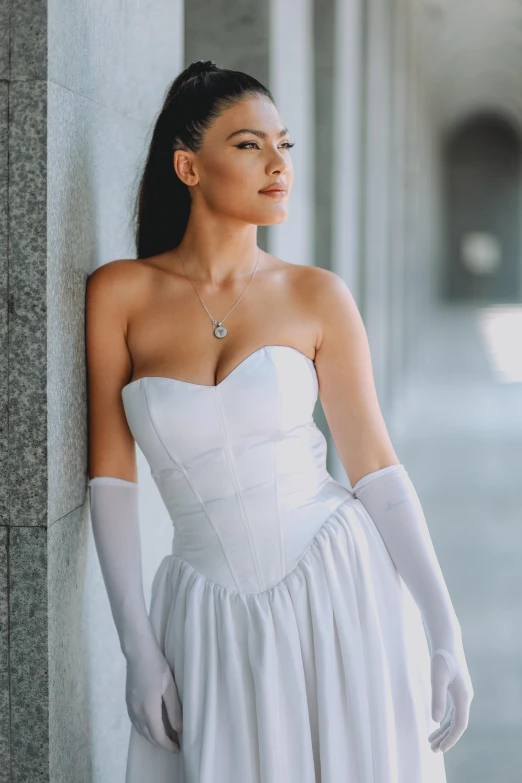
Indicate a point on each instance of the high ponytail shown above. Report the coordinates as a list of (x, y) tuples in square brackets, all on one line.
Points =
[(197, 96)]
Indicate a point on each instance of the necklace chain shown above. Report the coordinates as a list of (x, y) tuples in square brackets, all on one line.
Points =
[(219, 329)]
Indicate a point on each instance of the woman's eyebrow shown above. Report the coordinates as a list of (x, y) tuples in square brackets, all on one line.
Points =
[(260, 133)]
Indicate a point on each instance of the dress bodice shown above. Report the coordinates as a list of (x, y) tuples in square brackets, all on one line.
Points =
[(241, 466)]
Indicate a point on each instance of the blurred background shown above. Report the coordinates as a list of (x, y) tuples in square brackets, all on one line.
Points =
[(407, 122)]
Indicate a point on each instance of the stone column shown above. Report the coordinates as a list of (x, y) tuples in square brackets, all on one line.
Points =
[(24, 706), (344, 147), (375, 272)]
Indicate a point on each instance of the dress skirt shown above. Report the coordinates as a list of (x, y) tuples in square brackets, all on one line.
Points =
[(322, 678)]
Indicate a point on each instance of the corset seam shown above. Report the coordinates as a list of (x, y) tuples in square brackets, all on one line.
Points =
[(237, 490), (278, 513), (196, 494), (276, 481)]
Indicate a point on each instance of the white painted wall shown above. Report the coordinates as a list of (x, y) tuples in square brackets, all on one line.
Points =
[(110, 64), (376, 199)]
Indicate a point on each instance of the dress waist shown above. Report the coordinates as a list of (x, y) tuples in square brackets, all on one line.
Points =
[(253, 541)]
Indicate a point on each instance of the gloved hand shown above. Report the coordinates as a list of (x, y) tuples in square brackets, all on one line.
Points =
[(390, 499), (115, 523)]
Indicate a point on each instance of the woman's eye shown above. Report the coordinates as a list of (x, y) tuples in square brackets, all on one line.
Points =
[(247, 145)]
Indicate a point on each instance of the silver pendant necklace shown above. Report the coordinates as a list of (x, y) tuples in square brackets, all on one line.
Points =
[(219, 329)]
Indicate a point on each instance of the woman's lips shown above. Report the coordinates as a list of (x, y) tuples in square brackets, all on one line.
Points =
[(274, 193)]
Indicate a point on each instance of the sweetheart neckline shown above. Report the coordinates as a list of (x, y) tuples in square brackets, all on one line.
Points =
[(217, 385)]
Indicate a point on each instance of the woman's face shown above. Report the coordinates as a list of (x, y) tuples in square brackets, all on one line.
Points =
[(232, 168)]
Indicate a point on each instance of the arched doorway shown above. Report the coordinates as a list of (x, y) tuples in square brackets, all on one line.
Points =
[(481, 161)]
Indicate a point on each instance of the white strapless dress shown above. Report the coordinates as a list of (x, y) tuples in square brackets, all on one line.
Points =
[(298, 653)]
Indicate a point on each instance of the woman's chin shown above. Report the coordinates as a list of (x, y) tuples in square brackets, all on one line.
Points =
[(273, 218)]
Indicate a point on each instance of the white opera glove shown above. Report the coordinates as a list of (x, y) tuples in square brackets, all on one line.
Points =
[(115, 523), (389, 497)]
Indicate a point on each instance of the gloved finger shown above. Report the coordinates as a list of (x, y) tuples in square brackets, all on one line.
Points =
[(173, 706), (459, 726), (144, 730), (169, 731), (438, 700), (443, 726), (159, 735), (449, 741), (146, 733), (435, 745), (440, 678)]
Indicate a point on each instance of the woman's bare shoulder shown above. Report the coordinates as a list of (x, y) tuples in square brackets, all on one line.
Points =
[(315, 284), (118, 271), (119, 284), (306, 273)]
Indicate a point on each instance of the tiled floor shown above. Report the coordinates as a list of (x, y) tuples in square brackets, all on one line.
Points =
[(458, 430)]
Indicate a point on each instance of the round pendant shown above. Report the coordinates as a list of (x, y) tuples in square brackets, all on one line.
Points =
[(220, 331)]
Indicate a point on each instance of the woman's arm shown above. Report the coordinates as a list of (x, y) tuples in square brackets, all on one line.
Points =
[(346, 383), (382, 485), (114, 497), (109, 365)]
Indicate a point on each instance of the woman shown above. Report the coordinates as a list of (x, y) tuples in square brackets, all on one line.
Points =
[(285, 641)]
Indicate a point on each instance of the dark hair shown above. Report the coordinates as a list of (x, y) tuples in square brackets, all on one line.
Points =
[(194, 100)]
